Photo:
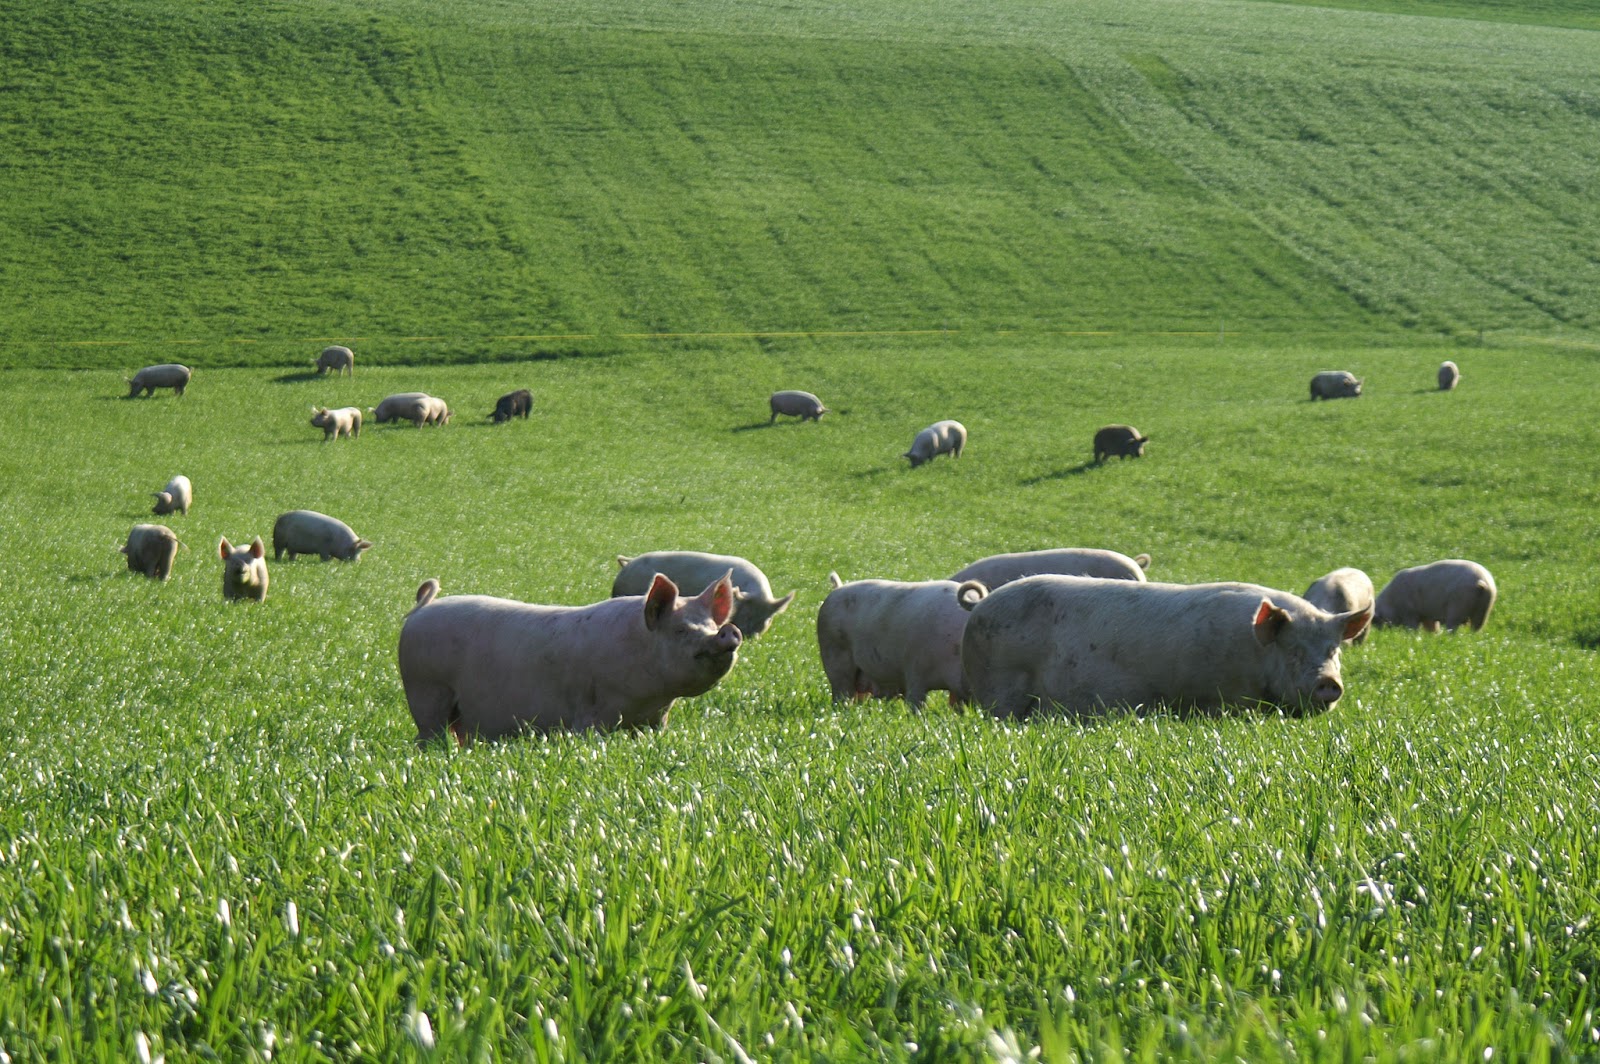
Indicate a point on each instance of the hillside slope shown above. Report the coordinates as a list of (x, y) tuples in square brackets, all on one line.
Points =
[(499, 178)]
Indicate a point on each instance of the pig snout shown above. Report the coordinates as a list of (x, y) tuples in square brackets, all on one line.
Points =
[(727, 639), (1327, 692)]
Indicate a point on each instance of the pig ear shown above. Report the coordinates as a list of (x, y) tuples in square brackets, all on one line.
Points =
[(783, 603), (256, 548), (224, 548), (1269, 622), (718, 599), (659, 600), (1355, 623)]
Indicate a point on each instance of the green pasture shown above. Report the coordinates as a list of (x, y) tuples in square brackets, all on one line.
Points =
[(1412, 876)]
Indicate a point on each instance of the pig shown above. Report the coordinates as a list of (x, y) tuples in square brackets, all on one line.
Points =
[(889, 639), (1087, 645), (753, 604), (308, 532), (337, 358), (407, 406), (941, 437), (1335, 384), (1123, 441), (177, 497), (512, 404), (1452, 592), (1001, 569), (168, 375), (484, 668), (802, 405), (1341, 591), (151, 550), (437, 411), (346, 421), (244, 571), (1449, 376)]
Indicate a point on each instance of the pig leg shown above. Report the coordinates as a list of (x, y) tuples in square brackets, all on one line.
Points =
[(916, 694), (1012, 701), (433, 708), (844, 679)]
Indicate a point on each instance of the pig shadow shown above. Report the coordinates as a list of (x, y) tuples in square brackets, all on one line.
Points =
[(875, 471), (298, 377), (1062, 474)]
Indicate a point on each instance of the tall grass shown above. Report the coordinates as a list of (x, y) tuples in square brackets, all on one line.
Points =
[(217, 835)]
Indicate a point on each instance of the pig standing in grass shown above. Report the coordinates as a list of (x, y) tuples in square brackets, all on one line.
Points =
[(337, 358), (404, 407), (941, 437), (308, 532), (346, 421), (484, 668), (1087, 644), (244, 571), (886, 639), (151, 550), (176, 497), (1451, 592), (1121, 441), (512, 404), (1002, 569), (802, 405), (1342, 591), (437, 411), (168, 375), (1335, 384), (1449, 376), (753, 604)]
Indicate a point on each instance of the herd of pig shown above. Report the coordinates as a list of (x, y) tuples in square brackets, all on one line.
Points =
[(1081, 630)]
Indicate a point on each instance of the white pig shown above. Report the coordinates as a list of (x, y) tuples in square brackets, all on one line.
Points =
[(338, 358), (407, 406), (1449, 376), (1001, 569), (802, 405), (244, 571), (345, 421), (151, 550), (482, 667), (1086, 645), (1341, 591), (167, 375), (887, 639), (941, 437), (753, 604), (177, 496), (1452, 592), (1335, 384), (308, 532)]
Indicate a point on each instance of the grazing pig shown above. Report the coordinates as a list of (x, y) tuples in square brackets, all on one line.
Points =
[(1449, 376), (889, 639), (802, 405), (1341, 591), (244, 571), (308, 532), (1123, 441), (437, 411), (151, 550), (941, 437), (484, 667), (403, 406), (1087, 644), (337, 358), (176, 497), (1335, 384), (168, 375), (1002, 569), (512, 404), (753, 604), (1451, 592), (346, 421)]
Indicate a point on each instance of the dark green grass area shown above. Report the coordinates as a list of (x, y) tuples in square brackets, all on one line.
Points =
[(505, 179), (1411, 876), (1572, 14)]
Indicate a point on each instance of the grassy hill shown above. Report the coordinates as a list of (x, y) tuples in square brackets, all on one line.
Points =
[(501, 179)]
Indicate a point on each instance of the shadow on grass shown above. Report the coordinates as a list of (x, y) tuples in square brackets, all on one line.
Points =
[(299, 377), (876, 471), (1061, 474)]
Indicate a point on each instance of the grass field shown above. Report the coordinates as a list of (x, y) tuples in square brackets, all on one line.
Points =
[(217, 839), (1412, 876)]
